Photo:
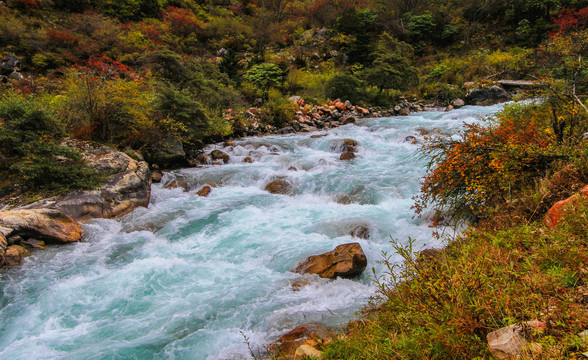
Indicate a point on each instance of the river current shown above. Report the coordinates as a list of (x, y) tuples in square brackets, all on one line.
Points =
[(190, 276)]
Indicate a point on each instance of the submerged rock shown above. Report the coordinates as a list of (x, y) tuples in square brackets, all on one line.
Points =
[(47, 224), (362, 232), (178, 183), (347, 156), (204, 191), (343, 145), (347, 260)]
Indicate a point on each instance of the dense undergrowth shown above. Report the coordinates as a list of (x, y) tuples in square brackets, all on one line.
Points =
[(146, 73)]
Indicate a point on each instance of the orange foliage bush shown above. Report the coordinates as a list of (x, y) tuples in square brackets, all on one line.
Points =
[(487, 164)]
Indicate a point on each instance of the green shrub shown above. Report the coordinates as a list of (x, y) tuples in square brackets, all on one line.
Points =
[(29, 147), (440, 92), (264, 76), (345, 86), (281, 109)]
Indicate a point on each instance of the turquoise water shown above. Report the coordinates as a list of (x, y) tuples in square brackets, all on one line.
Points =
[(188, 276)]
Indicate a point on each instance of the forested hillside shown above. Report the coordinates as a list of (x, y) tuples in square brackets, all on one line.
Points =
[(150, 73)]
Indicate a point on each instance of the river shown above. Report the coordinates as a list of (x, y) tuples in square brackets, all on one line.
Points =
[(189, 276)]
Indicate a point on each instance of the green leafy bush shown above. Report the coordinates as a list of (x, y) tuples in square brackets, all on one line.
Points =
[(30, 150), (345, 86), (264, 76)]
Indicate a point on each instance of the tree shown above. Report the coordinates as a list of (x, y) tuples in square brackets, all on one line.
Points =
[(264, 76), (344, 87), (392, 67), (362, 26)]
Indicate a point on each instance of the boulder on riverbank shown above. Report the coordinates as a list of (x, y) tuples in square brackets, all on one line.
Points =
[(347, 260), (167, 154), (50, 225), (487, 95), (127, 187), (305, 335), (563, 207), (14, 255), (513, 342)]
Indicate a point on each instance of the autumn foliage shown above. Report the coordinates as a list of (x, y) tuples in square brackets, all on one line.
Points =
[(489, 162)]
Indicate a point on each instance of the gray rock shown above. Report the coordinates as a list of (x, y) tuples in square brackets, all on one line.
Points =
[(404, 111), (286, 130), (16, 75), (348, 119), (487, 96), (335, 114), (9, 64), (168, 153), (219, 155), (510, 343), (458, 103), (507, 342)]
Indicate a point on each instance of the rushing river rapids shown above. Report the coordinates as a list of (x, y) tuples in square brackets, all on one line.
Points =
[(183, 278)]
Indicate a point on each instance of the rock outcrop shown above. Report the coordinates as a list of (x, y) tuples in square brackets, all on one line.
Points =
[(9, 66), (50, 225), (347, 260), (127, 187)]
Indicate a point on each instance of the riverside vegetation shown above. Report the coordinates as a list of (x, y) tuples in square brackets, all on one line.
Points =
[(147, 75)]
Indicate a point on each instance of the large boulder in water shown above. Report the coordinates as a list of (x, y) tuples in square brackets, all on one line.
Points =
[(47, 224), (279, 186), (487, 95), (347, 260), (127, 187), (220, 155)]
